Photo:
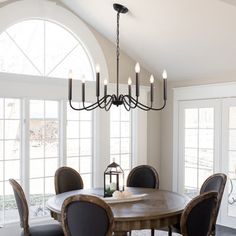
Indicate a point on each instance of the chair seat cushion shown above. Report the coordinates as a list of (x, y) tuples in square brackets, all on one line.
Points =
[(45, 230)]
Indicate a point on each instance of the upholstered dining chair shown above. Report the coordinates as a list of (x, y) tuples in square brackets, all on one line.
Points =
[(39, 230), (216, 183), (198, 216), (86, 215), (143, 176), (67, 179)]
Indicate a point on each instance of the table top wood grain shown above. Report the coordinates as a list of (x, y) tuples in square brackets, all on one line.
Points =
[(158, 209)]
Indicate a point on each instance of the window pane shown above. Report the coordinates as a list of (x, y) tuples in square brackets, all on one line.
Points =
[(206, 138), (73, 162), (1, 108), (80, 143), (36, 148), (51, 148), (120, 138), (51, 109), (51, 166), (36, 129), (232, 140), (44, 153), (37, 168), (12, 149), (12, 129), (115, 129), (85, 129), (191, 138), (191, 157), (86, 147), (72, 129), (198, 147), (12, 109), (1, 129), (12, 170), (51, 130), (36, 109), (114, 145), (206, 118), (191, 118), (29, 37), (72, 147), (232, 117)]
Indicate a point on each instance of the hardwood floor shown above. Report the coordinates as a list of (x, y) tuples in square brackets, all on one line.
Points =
[(224, 231), (220, 231)]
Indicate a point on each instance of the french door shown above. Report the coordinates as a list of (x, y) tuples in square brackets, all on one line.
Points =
[(228, 211), (207, 144)]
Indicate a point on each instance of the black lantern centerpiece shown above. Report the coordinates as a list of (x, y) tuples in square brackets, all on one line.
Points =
[(113, 179)]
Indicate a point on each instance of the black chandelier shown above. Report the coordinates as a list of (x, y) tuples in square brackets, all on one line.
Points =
[(128, 101)]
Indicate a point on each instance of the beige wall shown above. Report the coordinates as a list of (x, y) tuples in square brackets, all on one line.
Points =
[(166, 133)]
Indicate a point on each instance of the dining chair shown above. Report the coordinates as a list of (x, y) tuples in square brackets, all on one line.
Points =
[(67, 179), (86, 215), (216, 183), (198, 216), (143, 176), (47, 230)]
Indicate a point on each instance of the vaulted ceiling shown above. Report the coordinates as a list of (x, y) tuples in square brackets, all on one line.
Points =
[(190, 38)]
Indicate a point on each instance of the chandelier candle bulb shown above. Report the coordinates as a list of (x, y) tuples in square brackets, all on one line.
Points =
[(97, 80), (70, 75), (129, 86), (83, 91), (137, 71), (151, 88), (164, 76), (105, 87)]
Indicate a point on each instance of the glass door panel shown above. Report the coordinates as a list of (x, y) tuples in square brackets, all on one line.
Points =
[(197, 138)]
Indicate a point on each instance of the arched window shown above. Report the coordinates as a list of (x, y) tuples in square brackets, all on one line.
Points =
[(43, 48)]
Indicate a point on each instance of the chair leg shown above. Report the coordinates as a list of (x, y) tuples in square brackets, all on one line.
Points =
[(213, 230), (169, 231), (152, 232)]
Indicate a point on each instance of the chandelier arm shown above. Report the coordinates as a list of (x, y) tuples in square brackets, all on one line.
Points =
[(126, 105), (101, 101), (130, 101), (108, 104), (136, 103), (74, 108), (145, 107), (98, 103)]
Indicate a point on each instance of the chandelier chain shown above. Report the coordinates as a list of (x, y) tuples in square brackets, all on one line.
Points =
[(117, 51)]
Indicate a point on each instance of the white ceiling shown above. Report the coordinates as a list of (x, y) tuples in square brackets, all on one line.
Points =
[(192, 39)]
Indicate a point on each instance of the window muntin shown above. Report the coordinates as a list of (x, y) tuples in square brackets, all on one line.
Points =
[(43, 48), (121, 138), (44, 153), (10, 156), (198, 147), (80, 143)]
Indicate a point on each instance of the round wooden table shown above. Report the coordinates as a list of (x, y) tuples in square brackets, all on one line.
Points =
[(158, 209)]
